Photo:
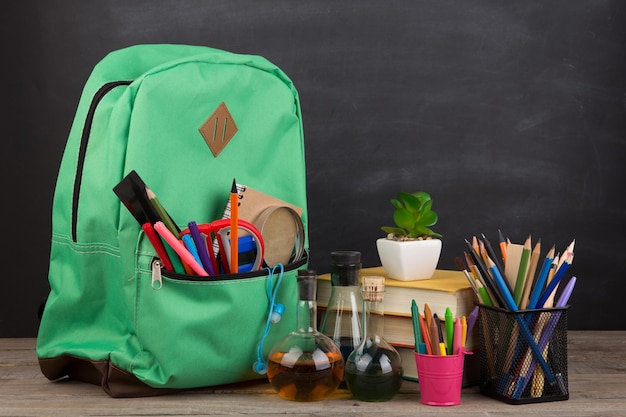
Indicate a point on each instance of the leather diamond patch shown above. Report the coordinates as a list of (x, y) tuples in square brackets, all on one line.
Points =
[(218, 129)]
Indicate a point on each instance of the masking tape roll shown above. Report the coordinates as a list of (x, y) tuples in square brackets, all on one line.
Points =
[(283, 234)]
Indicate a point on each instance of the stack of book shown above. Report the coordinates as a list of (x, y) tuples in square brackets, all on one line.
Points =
[(446, 289)]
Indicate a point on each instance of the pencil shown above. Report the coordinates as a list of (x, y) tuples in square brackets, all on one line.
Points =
[(234, 231), (541, 279), (530, 275), (521, 272), (163, 214), (470, 279), (548, 293), (503, 245), (481, 287), (491, 252), (489, 281)]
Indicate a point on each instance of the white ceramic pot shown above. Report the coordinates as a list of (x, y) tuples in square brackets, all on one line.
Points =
[(409, 260)]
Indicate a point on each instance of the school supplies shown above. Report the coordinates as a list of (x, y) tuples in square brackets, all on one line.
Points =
[(515, 333), (456, 334), (278, 221), (188, 119)]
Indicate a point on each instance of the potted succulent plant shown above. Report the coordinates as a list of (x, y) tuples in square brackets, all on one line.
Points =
[(411, 249)]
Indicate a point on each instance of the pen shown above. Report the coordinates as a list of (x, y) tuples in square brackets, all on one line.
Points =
[(449, 323), (179, 248)]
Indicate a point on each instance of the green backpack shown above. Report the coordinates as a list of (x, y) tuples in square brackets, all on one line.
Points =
[(151, 109)]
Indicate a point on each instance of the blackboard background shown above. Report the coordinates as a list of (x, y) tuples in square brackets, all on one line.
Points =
[(511, 114)]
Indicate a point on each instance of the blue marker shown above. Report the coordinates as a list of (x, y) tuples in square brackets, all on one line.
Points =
[(188, 241)]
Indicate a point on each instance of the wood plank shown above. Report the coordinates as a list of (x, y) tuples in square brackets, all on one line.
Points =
[(597, 385)]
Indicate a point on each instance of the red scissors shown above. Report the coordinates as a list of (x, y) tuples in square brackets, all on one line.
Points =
[(221, 230)]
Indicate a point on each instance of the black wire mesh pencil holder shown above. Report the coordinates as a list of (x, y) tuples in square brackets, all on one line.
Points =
[(523, 354)]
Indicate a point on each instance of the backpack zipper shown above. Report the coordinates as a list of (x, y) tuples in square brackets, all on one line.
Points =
[(98, 96), (157, 273)]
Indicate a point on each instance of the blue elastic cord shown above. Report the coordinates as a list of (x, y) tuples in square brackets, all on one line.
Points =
[(259, 366)]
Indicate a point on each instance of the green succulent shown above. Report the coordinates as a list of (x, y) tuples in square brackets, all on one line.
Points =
[(413, 216)]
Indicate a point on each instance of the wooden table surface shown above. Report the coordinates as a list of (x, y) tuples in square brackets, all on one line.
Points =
[(597, 387)]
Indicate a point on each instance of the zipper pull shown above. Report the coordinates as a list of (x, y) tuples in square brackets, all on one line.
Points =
[(157, 281)]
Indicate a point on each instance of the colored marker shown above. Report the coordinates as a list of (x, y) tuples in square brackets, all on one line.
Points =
[(158, 246), (449, 323), (201, 246), (179, 248), (191, 247)]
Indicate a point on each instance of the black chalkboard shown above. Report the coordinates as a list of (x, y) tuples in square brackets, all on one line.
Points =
[(511, 115)]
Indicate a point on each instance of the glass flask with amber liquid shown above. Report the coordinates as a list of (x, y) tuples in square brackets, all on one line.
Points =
[(374, 369), (306, 365)]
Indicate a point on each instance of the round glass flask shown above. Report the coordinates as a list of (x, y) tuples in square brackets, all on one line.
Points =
[(306, 365), (374, 369)]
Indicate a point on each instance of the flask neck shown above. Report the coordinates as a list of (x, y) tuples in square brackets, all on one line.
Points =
[(306, 316), (373, 320)]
